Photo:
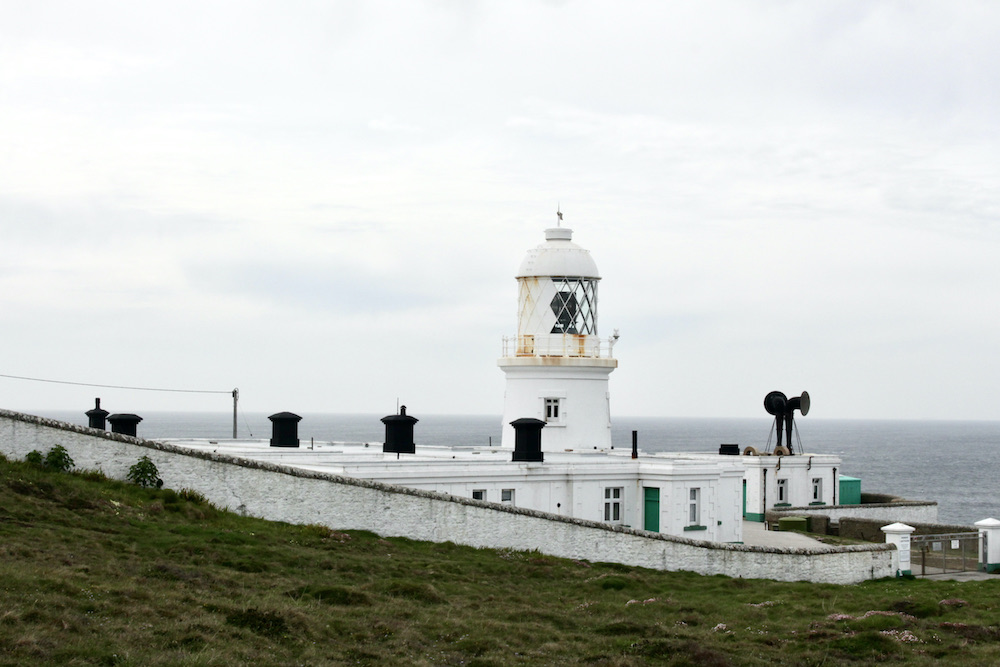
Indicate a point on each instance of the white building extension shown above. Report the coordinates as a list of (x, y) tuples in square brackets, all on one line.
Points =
[(802, 480), (557, 368), (687, 495)]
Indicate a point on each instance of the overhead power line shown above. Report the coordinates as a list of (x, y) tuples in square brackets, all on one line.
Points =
[(114, 386)]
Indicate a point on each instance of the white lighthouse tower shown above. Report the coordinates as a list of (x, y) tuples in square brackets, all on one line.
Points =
[(557, 368)]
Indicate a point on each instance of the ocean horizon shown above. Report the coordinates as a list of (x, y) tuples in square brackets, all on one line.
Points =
[(950, 462)]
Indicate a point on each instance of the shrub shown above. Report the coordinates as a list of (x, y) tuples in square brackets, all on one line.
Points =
[(59, 459), (145, 474), (35, 458)]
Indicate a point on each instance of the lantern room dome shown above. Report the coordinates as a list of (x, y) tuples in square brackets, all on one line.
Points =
[(558, 256)]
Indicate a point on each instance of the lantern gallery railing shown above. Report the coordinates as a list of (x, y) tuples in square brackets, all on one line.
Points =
[(558, 345)]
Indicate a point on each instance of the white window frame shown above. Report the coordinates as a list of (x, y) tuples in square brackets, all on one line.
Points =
[(507, 496), (553, 410), (783, 490), (479, 494), (817, 489), (694, 506), (613, 497)]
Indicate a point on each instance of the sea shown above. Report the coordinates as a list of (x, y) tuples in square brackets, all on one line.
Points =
[(951, 462)]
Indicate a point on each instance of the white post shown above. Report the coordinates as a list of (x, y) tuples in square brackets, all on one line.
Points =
[(899, 534), (989, 545)]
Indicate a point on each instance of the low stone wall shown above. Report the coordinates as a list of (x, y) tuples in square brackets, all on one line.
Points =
[(871, 531), (815, 523), (909, 512), (879, 498), (299, 496)]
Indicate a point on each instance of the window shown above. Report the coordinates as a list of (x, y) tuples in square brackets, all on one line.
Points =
[(507, 496), (479, 494), (552, 411), (694, 507), (782, 490), (817, 489), (613, 504), (567, 312), (574, 305)]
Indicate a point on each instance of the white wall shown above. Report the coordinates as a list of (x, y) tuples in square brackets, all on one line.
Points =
[(575, 488), (720, 489), (299, 496), (580, 384), (799, 470)]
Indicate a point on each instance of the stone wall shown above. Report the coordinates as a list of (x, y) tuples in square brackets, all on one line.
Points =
[(815, 523), (871, 531), (909, 512), (299, 496)]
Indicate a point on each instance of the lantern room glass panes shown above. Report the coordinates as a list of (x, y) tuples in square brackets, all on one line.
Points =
[(575, 306)]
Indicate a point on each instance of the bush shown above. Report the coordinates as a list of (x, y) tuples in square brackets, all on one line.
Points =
[(59, 459), (145, 474)]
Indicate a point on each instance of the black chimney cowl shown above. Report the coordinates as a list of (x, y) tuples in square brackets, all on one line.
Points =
[(124, 424), (285, 429), (399, 433), (528, 439), (96, 416)]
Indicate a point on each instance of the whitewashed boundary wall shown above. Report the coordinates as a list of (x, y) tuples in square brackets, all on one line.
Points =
[(299, 496), (907, 511)]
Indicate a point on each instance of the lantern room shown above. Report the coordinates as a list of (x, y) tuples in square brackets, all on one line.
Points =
[(557, 299)]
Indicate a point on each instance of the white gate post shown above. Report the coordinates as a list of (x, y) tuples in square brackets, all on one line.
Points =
[(899, 534), (989, 545)]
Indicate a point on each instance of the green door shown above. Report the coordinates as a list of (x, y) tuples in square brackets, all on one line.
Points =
[(744, 499), (651, 513)]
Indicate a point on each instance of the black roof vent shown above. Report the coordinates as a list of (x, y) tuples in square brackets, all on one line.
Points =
[(124, 423), (96, 416), (399, 433), (528, 439), (285, 429)]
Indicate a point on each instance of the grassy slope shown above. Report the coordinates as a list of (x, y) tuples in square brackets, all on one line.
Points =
[(101, 572)]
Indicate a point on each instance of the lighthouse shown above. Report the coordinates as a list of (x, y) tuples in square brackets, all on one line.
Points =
[(557, 367)]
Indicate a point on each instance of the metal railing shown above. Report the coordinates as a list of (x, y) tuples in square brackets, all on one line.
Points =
[(559, 345)]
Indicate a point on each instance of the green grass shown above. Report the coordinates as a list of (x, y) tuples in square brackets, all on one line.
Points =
[(97, 572)]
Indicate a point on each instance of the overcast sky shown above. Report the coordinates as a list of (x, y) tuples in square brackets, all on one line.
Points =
[(324, 204)]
